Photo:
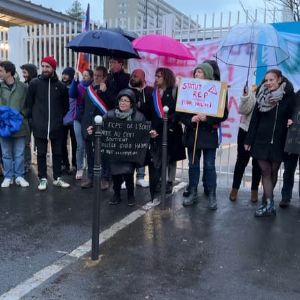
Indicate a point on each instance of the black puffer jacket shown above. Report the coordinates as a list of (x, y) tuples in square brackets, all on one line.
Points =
[(48, 102), (270, 128)]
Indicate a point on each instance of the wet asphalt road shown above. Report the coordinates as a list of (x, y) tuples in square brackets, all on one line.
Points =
[(179, 253), (37, 228)]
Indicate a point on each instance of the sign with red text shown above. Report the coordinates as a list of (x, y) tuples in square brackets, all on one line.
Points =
[(201, 96)]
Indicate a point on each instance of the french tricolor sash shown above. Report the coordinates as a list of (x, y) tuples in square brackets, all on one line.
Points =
[(158, 103), (97, 101)]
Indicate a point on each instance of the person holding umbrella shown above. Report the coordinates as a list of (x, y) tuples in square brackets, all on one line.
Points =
[(207, 142), (275, 99)]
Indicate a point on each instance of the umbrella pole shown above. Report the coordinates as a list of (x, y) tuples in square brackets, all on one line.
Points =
[(195, 142)]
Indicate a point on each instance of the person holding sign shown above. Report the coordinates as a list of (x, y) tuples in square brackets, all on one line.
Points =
[(123, 170), (201, 135), (266, 136)]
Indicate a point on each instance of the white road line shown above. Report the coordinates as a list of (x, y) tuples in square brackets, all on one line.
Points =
[(41, 276)]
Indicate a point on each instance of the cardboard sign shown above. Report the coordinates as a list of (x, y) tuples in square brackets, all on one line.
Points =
[(292, 144), (201, 96), (125, 141)]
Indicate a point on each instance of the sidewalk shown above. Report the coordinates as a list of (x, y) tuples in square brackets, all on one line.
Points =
[(191, 253)]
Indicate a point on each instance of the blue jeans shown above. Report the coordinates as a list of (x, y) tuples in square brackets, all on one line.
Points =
[(140, 173), (209, 158), (13, 156), (80, 145)]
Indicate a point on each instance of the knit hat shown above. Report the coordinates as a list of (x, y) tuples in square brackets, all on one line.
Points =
[(50, 60), (129, 93), (70, 72), (207, 70)]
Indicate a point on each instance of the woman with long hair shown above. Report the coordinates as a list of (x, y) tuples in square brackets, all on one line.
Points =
[(266, 136), (164, 94)]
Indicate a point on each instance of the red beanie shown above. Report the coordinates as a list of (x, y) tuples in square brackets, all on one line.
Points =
[(51, 61)]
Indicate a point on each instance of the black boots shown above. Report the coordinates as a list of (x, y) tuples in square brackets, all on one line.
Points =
[(212, 201), (266, 208), (191, 197)]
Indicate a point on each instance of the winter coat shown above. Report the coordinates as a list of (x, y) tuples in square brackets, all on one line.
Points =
[(48, 102), (16, 98), (176, 149), (120, 167), (246, 107), (267, 130), (116, 82), (89, 111), (143, 98), (208, 131)]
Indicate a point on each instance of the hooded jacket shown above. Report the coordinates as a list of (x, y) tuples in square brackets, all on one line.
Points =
[(32, 71), (48, 102)]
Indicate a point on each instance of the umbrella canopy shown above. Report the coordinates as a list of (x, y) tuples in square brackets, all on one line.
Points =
[(130, 35), (162, 45), (264, 46), (103, 42), (10, 121)]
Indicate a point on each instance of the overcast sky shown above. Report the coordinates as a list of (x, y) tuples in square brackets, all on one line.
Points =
[(188, 7)]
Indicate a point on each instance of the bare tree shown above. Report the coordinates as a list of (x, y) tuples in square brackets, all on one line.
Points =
[(292, 7)]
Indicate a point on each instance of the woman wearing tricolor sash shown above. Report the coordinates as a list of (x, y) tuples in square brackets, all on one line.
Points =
[(164, 94)]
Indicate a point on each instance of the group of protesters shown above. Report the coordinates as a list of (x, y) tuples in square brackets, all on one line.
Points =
[(59, 110)]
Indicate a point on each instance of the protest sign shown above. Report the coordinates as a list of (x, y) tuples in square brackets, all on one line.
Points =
[(201, 96), (125, 141)]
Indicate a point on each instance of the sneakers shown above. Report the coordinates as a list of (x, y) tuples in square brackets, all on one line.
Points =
[(43, 184), (87, 184), (130, 200), (21, 182), (142, 183), (116, 199), (60, 183), (79, 174), (6, 182)]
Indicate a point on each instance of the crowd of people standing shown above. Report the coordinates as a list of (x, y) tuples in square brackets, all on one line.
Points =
[(55, 110)]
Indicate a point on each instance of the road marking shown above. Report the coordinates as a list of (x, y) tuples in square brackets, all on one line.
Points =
[(41, 276)]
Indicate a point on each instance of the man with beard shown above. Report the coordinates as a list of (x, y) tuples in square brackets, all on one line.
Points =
[(137, 83), (48, 102)]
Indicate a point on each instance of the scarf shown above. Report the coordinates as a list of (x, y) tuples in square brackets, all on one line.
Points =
[(124, 115), (269, 99)]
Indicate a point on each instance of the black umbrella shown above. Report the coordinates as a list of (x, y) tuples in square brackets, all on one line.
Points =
[(130, 35), (103, 42)]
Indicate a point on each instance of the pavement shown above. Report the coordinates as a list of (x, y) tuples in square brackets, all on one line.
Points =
[(145, 252)]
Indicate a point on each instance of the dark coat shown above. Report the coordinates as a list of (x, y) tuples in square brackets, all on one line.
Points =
[(115, 83), (207, 137), (47, 123), (119, 167), (267, 130), (89, 111), (176, 149), (143, 99)]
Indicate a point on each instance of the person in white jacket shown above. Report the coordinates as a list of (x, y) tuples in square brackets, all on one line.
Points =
[(246, 106)]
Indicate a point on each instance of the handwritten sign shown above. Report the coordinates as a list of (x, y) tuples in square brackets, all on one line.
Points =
[(125, 140), (292, 144), (205, 96)]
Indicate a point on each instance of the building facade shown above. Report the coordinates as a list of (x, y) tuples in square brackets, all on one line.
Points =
[(136, 14)]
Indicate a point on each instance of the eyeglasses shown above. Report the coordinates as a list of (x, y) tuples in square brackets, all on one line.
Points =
[(124, 100)]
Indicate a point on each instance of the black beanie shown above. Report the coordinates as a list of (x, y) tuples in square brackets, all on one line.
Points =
[(69, 71)]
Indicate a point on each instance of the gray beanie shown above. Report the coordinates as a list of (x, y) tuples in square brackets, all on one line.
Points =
[(207, 70)]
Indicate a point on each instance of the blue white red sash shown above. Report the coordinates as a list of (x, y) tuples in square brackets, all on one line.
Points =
[(158, 103), (97, 101)]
